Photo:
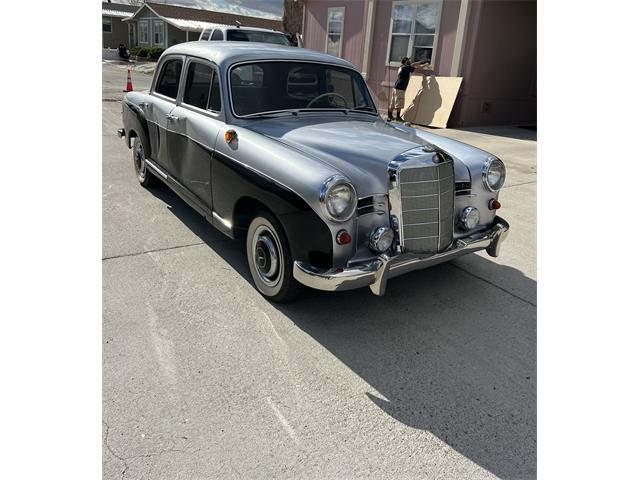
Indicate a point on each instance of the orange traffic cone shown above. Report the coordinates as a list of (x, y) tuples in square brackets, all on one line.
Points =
[(129, 87)]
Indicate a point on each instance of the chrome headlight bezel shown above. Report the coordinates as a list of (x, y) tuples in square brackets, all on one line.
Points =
[(330, 184), (489, 162)]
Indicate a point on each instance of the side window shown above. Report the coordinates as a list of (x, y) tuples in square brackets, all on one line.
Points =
[(217, 35), (205, 34), (169, 79)]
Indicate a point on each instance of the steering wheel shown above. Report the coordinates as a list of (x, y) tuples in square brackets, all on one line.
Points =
[(328, 94)]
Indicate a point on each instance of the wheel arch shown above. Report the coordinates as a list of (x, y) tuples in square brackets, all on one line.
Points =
[(135, 125), (308, 237)]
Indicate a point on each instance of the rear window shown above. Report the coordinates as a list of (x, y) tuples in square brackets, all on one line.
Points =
[(196, 90), (202, 88), (239, 35)]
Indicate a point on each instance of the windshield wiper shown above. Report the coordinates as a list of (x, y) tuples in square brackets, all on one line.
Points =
[(277, 113), (369, 110)]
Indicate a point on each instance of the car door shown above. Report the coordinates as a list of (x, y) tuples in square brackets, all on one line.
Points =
[(198, 120), (165, 94)]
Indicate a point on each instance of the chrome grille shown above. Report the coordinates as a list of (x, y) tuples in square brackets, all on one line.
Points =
[(426, 194)]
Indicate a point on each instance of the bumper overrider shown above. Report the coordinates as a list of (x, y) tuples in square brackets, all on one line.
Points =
[(375, 273)]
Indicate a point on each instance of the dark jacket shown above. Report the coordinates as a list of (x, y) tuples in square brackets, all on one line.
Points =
[(403, 77)]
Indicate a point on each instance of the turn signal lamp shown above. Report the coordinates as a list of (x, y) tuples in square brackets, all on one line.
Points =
[(494, 204), (230, 136), (343, 237)]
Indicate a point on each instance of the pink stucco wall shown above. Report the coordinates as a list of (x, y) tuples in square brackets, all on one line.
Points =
[(315, 27)]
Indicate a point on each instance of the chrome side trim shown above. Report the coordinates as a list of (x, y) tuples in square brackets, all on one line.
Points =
[(156, 169), (223, 221)]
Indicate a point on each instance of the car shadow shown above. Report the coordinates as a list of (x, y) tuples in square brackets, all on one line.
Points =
[(444, 351)]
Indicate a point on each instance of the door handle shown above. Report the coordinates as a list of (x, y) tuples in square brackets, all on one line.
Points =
[(144, 104), (172, 118)]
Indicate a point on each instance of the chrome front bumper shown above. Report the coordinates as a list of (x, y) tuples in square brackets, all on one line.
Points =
[(376, 273)]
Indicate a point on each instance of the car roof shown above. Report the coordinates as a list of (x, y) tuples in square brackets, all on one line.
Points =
[(222, 26), (225, 54)]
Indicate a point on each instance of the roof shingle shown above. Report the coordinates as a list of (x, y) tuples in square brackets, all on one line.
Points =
[(185, 13)]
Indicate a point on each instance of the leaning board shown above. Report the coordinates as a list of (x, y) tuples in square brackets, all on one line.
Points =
[(430, 99)]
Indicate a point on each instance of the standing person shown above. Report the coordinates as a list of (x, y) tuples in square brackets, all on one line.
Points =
[(397, 97)]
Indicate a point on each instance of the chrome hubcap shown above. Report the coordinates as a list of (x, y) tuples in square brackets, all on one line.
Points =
[(266, 255), (141, 166)]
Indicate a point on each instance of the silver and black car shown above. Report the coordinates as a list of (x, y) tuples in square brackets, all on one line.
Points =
[(284, 148)]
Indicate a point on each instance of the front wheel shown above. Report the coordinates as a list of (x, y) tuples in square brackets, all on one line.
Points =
[(270, 259)]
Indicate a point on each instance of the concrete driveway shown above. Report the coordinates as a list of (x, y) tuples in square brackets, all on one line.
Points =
[(203, 378)]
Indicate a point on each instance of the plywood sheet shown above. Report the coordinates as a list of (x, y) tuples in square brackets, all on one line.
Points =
[(430, 100)]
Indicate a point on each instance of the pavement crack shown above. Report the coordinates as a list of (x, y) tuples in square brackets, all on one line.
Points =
[(124, 460), (112, 451), (135, 254), (494, 285)]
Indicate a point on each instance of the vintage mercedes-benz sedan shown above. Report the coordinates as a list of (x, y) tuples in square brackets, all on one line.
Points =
[(284, 148)]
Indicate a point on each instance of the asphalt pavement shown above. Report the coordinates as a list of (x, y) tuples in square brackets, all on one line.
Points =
[(203, 378)]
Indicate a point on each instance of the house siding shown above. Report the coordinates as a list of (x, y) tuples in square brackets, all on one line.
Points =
[(499, 65), (498, 62), (380, 76), (119, 33), (175, 35)]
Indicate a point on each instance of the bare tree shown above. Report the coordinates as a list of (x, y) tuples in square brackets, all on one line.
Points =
[(292, 18)]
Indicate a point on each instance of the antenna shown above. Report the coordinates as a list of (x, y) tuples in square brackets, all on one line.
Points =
[(238, 23)]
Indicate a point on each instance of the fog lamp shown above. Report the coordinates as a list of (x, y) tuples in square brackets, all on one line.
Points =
[(469, 218), (381, 239)]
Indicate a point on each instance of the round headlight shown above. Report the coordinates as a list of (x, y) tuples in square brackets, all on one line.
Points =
[(469, 218), (381, 239), (494, 174), (339, 198)]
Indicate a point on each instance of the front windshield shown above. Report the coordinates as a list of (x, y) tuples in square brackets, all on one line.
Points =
[(238, 35), (276, 86)]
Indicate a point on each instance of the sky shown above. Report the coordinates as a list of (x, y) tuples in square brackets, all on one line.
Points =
[(254, 8)]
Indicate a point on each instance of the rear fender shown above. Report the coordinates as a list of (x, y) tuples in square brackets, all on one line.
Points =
[(135, 124)]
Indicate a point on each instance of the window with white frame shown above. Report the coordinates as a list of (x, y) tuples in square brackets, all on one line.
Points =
[(143, 32), (335, 24), (158, 32), (106, 24), (414, 30)]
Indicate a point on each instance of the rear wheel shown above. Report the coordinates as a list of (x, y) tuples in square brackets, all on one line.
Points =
[(270, 259), (145, 177)]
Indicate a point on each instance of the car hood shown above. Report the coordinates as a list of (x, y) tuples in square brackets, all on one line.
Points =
[(358, 148)]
